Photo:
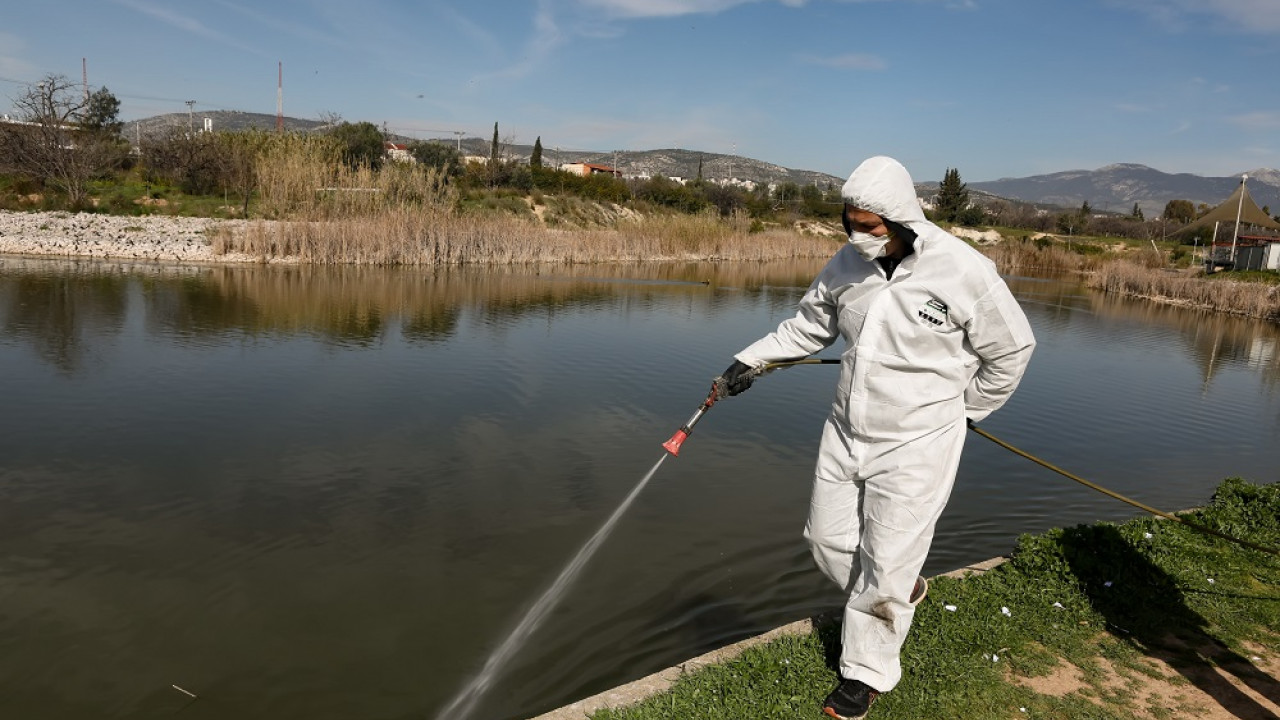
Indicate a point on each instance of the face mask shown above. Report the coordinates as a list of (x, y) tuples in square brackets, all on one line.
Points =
[(868, 246)]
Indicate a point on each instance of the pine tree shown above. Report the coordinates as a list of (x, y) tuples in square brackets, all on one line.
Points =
[(535, 160), (1137, 212), (953, 197), (493, 147)]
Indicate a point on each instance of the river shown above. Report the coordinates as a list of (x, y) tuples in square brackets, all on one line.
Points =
[(331, 492)]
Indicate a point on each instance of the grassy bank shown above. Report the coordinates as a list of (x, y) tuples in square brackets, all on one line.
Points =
[(1145, 619)]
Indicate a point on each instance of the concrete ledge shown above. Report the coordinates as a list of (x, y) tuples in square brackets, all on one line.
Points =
[(646, 687)]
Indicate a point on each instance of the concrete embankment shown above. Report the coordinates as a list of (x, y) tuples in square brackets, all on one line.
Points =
[(639, 690)]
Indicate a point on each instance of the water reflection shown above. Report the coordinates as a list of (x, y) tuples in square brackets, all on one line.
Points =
[(53, 304), (63, 316)]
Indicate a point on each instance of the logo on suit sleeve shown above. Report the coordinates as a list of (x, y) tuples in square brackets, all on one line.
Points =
[(933, 312)]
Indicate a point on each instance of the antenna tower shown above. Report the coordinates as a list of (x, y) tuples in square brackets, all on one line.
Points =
[(280, 97)]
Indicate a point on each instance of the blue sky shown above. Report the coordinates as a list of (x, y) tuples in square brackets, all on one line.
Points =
[(994, 88)]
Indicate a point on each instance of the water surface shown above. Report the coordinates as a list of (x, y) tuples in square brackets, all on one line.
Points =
[(331, 493)]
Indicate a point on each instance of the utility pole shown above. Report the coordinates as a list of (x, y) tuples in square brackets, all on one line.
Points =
[(1236, 234), (191, 125)]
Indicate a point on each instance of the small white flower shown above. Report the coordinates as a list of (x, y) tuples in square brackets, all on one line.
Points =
[(1106, 584), (1058, 605), (1022, 710), (1005, 611), (1148, 536), (949, 608), (995, 658), (1210, 581)]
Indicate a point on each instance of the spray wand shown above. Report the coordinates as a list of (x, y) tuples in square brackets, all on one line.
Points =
[(719, 389)]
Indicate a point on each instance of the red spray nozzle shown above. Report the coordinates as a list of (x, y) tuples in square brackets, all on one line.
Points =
[(673, 445)]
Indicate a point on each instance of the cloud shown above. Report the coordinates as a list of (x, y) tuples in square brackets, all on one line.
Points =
[(851, 61), (293, 28), (1260, 17), (12, 67), (184, 22), (1262, 120), (544, 38), (667, 8)]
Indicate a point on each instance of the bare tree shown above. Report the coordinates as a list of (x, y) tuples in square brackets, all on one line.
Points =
[(51, 143)]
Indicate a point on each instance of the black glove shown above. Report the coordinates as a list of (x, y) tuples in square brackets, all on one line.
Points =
[(736, 378)]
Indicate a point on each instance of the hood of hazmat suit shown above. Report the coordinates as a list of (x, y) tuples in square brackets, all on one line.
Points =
[(882, 186)]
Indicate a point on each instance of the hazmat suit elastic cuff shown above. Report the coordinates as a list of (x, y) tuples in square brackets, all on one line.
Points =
[(748, 359)]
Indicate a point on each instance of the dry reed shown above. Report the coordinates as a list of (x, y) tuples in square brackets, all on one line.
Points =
[(1237, 298), (323, 212)]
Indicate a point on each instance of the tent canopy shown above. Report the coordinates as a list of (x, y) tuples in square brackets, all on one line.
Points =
[(1250, 213)]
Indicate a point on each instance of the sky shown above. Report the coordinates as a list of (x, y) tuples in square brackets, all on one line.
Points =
[(992, 88)]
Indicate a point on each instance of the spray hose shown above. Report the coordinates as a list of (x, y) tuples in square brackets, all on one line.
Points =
[(718, 390)]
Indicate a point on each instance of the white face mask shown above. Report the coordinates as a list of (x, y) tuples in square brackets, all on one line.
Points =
[(869, 246)]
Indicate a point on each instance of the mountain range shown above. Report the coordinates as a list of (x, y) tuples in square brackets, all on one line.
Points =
[(1113, 188)]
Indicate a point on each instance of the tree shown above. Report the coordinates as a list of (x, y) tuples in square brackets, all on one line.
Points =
[(953, 197), (1179, 211), (362, 144), (439, 155), (102, 113), (1137, 213), (53, 145), (493, 146), (535, 160)]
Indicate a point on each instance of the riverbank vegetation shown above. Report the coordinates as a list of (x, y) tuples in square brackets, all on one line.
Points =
[(1143, 619), (338, 196)]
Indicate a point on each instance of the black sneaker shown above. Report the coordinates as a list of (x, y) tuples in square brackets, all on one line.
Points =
[(851, 699)]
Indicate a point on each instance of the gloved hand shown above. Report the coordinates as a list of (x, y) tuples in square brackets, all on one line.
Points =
[(737, 378)]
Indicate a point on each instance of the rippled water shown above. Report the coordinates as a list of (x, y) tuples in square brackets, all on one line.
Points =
[(332, 493)]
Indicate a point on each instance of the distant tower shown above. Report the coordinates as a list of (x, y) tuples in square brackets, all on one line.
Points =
[(280, 98)]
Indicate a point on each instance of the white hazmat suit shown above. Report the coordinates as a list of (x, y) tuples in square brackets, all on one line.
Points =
[(940, 340)]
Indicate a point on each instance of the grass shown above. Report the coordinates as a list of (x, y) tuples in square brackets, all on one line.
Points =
[(1124, 593)]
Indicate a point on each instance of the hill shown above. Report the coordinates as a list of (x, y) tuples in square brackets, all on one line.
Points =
[(1116, 188), (1113, 188)]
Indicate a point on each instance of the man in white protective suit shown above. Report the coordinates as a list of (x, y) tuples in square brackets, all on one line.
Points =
[(934, 339)]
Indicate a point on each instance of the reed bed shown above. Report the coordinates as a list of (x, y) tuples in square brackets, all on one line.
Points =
[(320, 211), (434, 236), (1013, 257), (1254, 300)]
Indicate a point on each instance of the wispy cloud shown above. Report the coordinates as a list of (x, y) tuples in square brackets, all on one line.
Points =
[(850, 61), (185, 23), (545, 36), (666, 8), (1262, 120), (293, 28), (12, 66), (1242, 16)]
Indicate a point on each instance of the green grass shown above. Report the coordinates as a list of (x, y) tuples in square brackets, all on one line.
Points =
[(1124, 590), (1267, 277)]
